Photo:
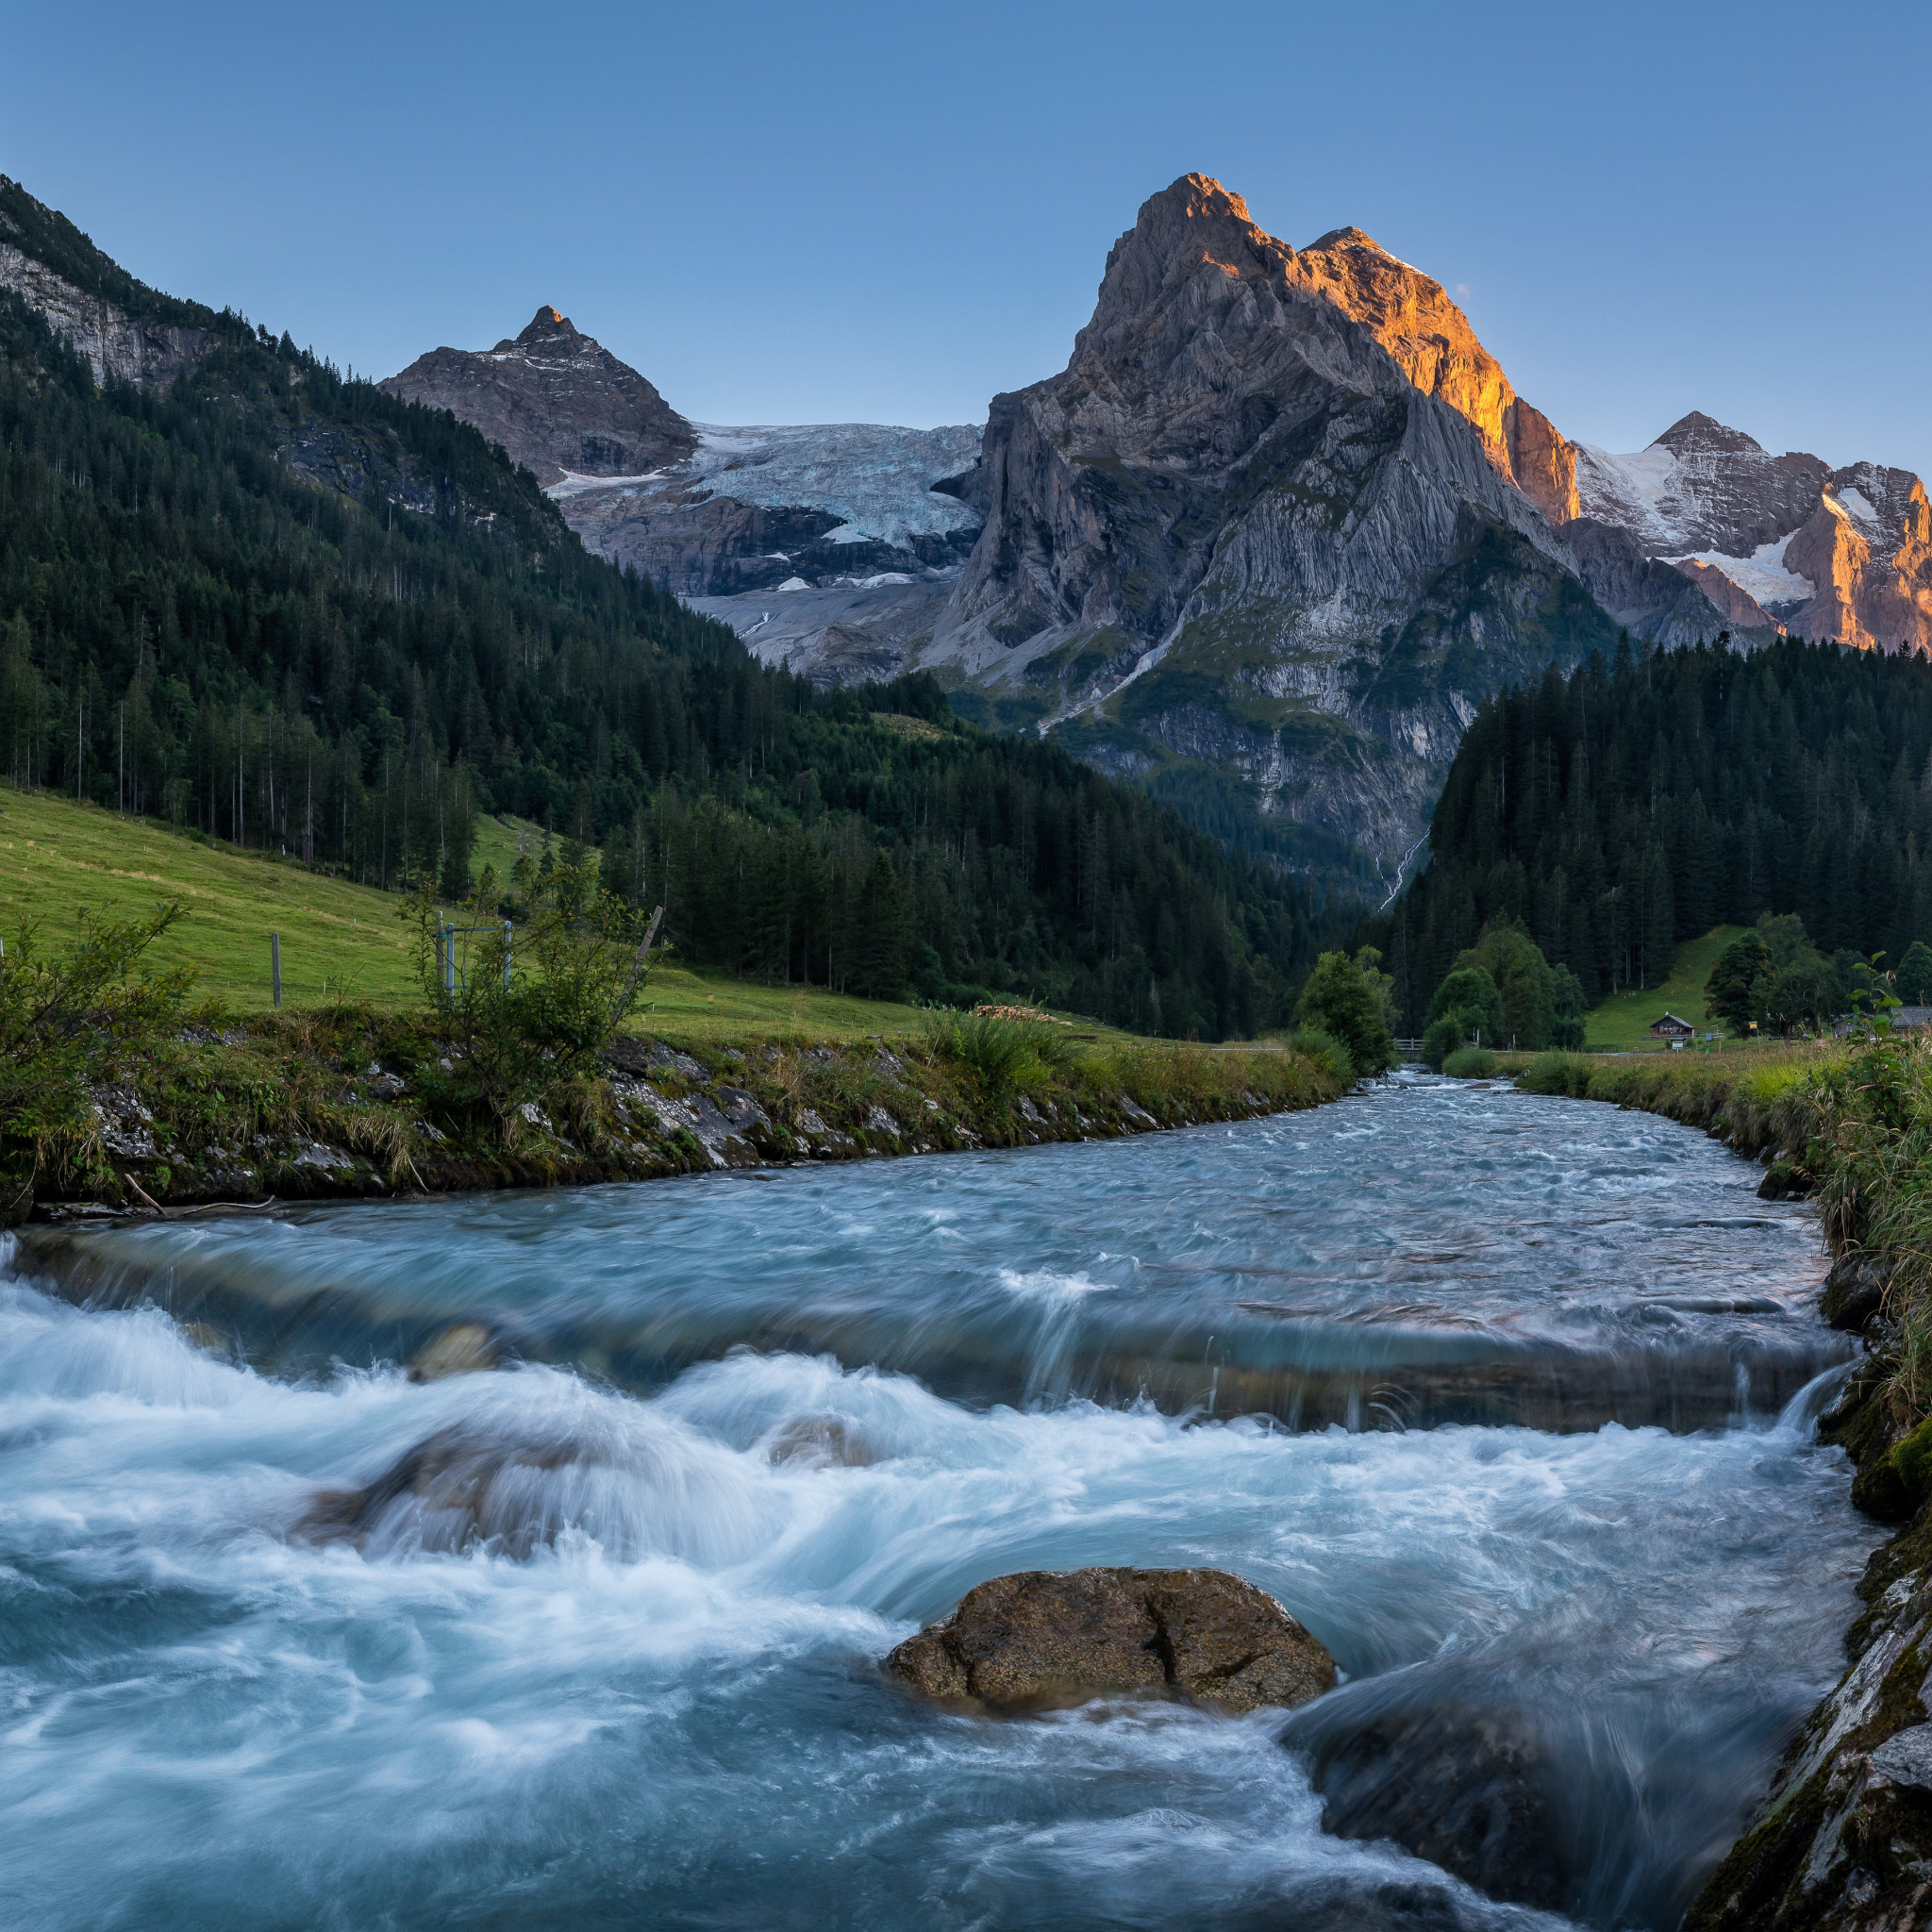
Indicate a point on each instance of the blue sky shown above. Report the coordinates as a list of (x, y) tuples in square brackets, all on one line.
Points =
[(889, 213)]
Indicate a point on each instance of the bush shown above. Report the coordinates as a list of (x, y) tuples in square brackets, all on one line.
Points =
[(1440, 1037), (70, 1022), (1470, 1063), (999, 1053), (1560, 1072), (1326, 1052), (534, 1004)]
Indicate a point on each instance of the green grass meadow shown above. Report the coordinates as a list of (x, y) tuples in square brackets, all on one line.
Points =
[(338, 940)]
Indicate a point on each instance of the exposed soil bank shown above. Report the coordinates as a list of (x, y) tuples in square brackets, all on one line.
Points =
[(1843, 1843)]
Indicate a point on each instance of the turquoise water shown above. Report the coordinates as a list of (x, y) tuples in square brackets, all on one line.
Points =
[(670, 1712)]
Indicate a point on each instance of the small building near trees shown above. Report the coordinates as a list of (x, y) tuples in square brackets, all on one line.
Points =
[(1673, 1029)]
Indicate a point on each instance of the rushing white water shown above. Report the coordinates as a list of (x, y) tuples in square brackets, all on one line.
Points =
[(668, 1710), (1432, 1253)]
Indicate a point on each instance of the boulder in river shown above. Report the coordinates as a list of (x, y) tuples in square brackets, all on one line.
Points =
[(1042, 1640)]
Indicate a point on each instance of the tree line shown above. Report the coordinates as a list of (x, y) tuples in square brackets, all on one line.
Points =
[(1641, 801)]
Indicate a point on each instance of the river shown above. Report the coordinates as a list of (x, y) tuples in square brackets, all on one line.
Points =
[(1510, 1400)]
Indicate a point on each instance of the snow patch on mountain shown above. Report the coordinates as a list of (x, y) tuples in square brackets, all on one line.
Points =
[(875, 477), (1856, 505), (1761, 576), (1630, 490)]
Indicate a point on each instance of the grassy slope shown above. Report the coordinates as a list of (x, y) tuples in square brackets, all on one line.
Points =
[(337, 939), (1622, 1023)]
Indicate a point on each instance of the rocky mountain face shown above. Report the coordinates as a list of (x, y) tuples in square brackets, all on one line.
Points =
[(1433, 344), (1785, 540), (118, 346), (1238, 533), (560, 402)]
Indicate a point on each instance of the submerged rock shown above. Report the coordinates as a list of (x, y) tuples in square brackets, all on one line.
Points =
[(821, 1442), (1466, 1786), (1042, 1640), (456, 1489), (465, 1349)]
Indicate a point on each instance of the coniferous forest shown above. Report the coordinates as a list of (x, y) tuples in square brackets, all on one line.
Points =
[(277, 607), (1643, 801)]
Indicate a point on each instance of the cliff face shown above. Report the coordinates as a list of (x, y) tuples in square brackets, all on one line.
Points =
[(557, 400), (1433, 344), (118, 346), (1824, 552), (1234, 533), (1865, 550)]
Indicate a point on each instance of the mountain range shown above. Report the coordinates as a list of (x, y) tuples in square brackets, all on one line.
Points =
[(1264, 545)]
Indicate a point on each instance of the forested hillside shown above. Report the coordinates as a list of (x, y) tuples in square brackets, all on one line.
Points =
[(1639, 803), (283, 609)]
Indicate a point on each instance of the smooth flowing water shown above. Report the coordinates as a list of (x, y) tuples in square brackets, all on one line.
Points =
[(1510, 1400)]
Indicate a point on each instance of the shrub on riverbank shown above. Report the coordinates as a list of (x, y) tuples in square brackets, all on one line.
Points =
[(1873, 1181), (1757, 1100), (1326, 1051), (1470, 1063)]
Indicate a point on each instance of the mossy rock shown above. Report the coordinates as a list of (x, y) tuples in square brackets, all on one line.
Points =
[(1897, 1485), (1879, 1491), (1912, 1458)]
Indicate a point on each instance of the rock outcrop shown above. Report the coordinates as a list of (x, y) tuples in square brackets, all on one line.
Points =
[(558, 401), (1042, 1640), (1843, 1843), (119, 345)]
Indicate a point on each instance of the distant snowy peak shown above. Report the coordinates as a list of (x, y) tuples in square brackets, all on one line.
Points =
[(1700, 486), (1844, 554), (708, 510)]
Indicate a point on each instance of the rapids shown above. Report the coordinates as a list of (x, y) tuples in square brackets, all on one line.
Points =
[(756, 1429)]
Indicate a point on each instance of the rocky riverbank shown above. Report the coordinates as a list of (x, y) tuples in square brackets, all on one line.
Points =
[(358, 1103), (1843, 1840)]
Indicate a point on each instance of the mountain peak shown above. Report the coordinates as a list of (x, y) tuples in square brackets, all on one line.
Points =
[(1196, 195), (1351, 238), (1699, 432), (551, 333), (556, 399)]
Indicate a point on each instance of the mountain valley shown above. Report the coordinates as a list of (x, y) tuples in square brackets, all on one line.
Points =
[(1264, 546)]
